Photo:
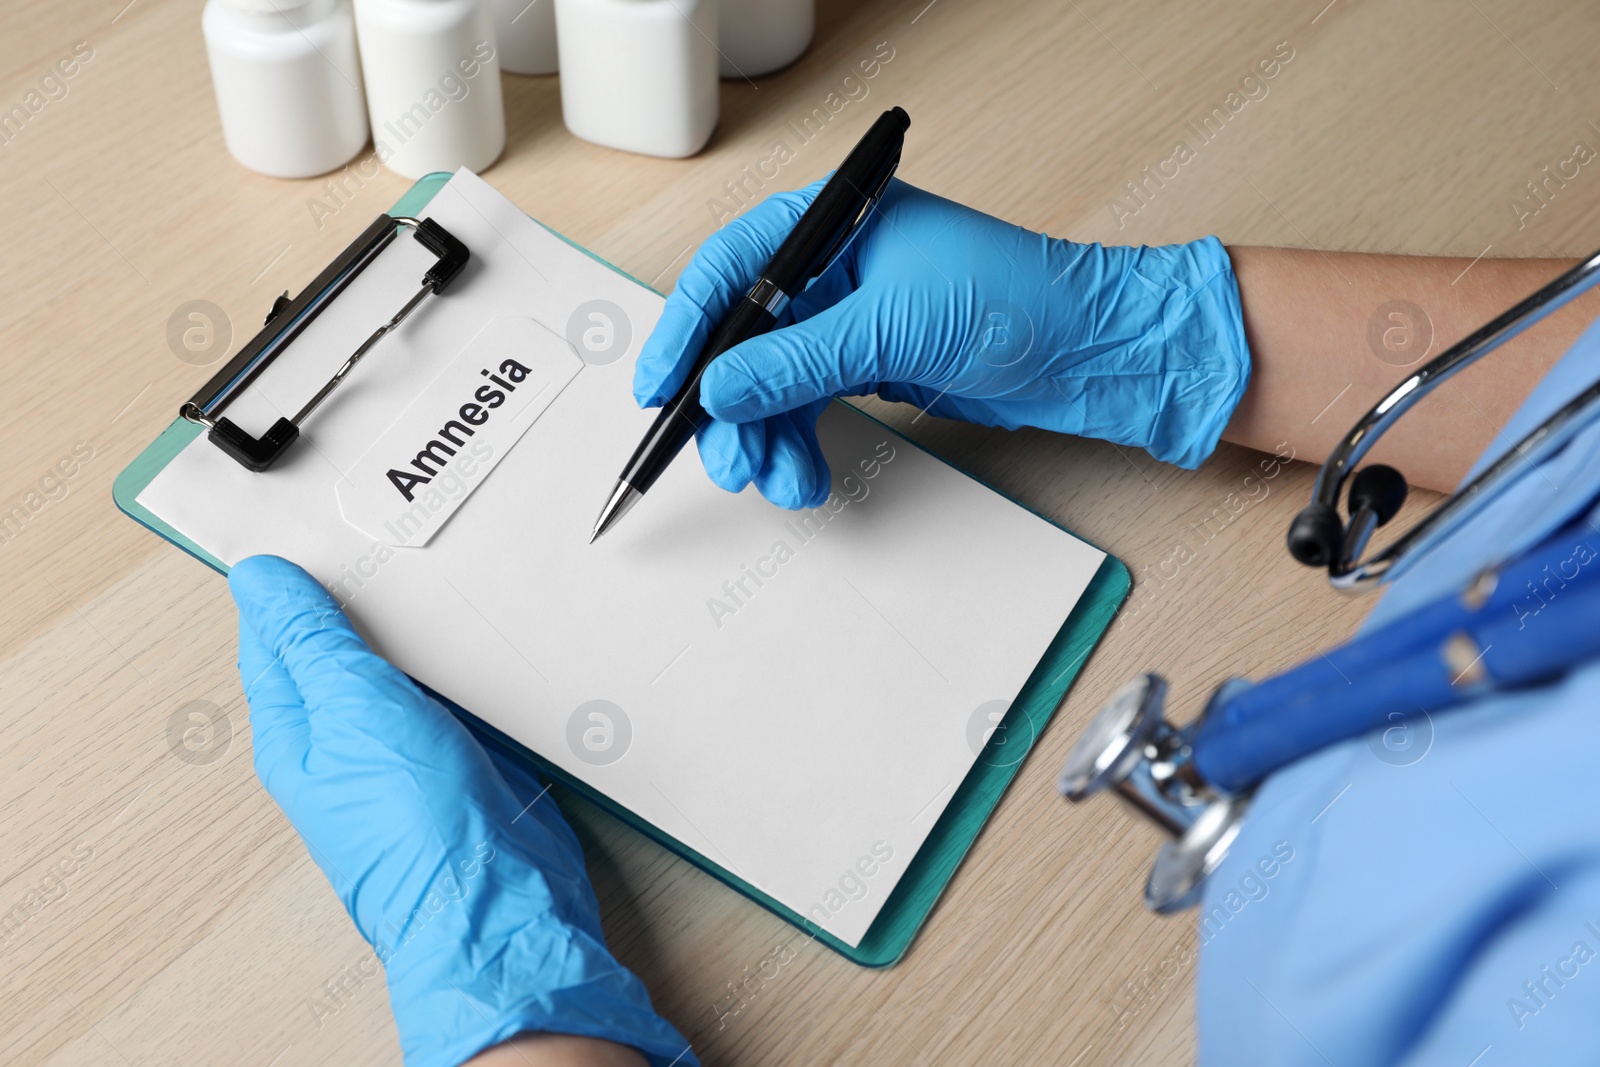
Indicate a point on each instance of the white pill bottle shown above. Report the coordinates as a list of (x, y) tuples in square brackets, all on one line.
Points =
[(526, 34), (288, 83), (639, 75), (433, 84), (756, 37)]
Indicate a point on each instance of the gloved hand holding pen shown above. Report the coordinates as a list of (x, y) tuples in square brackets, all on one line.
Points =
[(964, 316)]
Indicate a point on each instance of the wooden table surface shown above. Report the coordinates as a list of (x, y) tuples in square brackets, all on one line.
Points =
[(155, 907)]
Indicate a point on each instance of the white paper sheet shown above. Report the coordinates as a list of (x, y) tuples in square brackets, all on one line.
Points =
[(789, 694)]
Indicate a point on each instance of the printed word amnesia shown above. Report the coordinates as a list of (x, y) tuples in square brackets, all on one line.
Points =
[(453, 434)]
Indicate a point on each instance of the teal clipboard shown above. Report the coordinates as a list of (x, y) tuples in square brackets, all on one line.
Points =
[(913, 899)]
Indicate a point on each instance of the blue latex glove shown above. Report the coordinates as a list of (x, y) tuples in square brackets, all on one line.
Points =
[(456, 867), (965, 316)]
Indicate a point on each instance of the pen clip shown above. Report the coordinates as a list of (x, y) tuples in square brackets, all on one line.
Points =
[(856, 226)]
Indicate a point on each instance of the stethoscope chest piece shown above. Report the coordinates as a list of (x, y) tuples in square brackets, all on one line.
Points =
[(1130, 748), (1184, 863)]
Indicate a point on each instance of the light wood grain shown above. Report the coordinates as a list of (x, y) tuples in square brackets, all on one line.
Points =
[(197, 931)]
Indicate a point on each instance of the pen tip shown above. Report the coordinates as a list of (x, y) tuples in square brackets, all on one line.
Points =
[(623, 497)]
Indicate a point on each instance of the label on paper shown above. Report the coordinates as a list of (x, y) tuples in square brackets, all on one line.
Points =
[(406, 486)]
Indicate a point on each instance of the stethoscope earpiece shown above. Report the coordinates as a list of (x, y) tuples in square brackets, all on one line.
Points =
[(1318, 538), (1379, 488), (1316, 534)]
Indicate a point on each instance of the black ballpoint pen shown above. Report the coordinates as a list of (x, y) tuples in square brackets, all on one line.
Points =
[(822, 232)]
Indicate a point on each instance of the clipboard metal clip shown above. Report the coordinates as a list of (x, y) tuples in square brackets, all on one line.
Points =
[(289, 317)]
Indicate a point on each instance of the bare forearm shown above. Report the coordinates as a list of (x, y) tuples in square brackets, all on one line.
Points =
[(1325, 347), (557, 1050)]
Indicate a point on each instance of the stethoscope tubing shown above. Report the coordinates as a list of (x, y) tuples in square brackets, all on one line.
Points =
[(1531, 621)]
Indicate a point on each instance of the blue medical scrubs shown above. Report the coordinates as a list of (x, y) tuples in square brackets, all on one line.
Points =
[(1430, 894)]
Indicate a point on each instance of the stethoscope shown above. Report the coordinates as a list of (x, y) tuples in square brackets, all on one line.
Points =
[(1196, 782)]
